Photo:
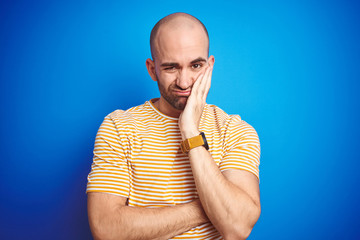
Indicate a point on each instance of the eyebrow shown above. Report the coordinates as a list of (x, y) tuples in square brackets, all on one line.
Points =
[(174, 64), (199, 59), (169, 64)]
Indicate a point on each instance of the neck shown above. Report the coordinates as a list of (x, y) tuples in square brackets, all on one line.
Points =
[(164, 107)]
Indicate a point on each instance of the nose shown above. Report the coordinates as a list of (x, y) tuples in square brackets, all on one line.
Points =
[(184, 79)]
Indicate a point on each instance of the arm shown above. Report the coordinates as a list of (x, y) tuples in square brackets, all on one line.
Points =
[(230, 199), (109, 215), (110, 218)]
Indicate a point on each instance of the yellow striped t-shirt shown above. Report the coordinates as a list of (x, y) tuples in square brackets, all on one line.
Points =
[(137, 155)]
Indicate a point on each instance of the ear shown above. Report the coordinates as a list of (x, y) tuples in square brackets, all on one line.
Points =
[(150, 65), (211, 61)]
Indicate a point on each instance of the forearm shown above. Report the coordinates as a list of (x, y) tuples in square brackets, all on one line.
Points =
[(231, 210), (228, 207), (127, 222)]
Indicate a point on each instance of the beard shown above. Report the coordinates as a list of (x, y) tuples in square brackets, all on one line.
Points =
[(177, 102)]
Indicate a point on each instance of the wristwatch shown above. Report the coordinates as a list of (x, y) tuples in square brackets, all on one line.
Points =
[(197, 141)]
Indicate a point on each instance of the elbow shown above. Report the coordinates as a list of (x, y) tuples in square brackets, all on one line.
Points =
[(241, 233), (98, 232), (102, 231), (238, 233), (242, 228)]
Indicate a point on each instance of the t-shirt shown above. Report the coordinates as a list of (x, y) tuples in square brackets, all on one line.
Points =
[(137, 155)]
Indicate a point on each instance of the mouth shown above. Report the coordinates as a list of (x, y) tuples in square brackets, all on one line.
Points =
[(182, 93)]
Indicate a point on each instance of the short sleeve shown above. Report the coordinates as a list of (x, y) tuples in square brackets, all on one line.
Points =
[(241, 147), (109, 170)]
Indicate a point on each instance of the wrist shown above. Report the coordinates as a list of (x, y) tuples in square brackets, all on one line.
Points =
[(198, 210), (194, 142), (189, 134)]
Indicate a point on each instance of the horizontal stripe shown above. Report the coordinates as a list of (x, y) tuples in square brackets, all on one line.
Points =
[(137, 155)]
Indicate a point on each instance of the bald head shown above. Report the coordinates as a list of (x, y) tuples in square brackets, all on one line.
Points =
[(175, 22)]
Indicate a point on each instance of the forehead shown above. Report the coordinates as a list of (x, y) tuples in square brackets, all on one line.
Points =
[(181, 43)]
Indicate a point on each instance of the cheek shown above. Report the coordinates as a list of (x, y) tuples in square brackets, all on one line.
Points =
[(167, 78), (196, 73), (163, 83)]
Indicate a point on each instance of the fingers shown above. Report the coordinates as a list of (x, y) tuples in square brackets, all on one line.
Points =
[(204, 83), (195, 103), (201, 86), (208, 82), (203, 77)]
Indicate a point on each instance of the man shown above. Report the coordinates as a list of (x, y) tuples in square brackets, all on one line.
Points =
[(154, 176)]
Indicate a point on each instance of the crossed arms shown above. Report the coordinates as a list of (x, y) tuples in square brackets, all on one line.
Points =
[(233, 208), (230, 200)]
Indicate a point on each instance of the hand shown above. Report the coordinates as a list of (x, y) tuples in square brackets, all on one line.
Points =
[(189, 119)]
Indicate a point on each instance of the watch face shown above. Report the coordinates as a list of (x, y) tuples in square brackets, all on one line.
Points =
[(205, 141)]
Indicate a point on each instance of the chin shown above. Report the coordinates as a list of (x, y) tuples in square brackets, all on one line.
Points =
[(180, 104)]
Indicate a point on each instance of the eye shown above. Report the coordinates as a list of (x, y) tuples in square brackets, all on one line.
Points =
[(197, 66), (169, 69)]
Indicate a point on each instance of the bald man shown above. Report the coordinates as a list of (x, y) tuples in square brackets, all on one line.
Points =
[(175, 166)]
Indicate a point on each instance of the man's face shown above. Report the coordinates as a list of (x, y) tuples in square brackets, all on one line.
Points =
[(181, 56), (174, 89)]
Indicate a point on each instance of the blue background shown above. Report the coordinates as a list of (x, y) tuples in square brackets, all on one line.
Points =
[(289, 68)]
